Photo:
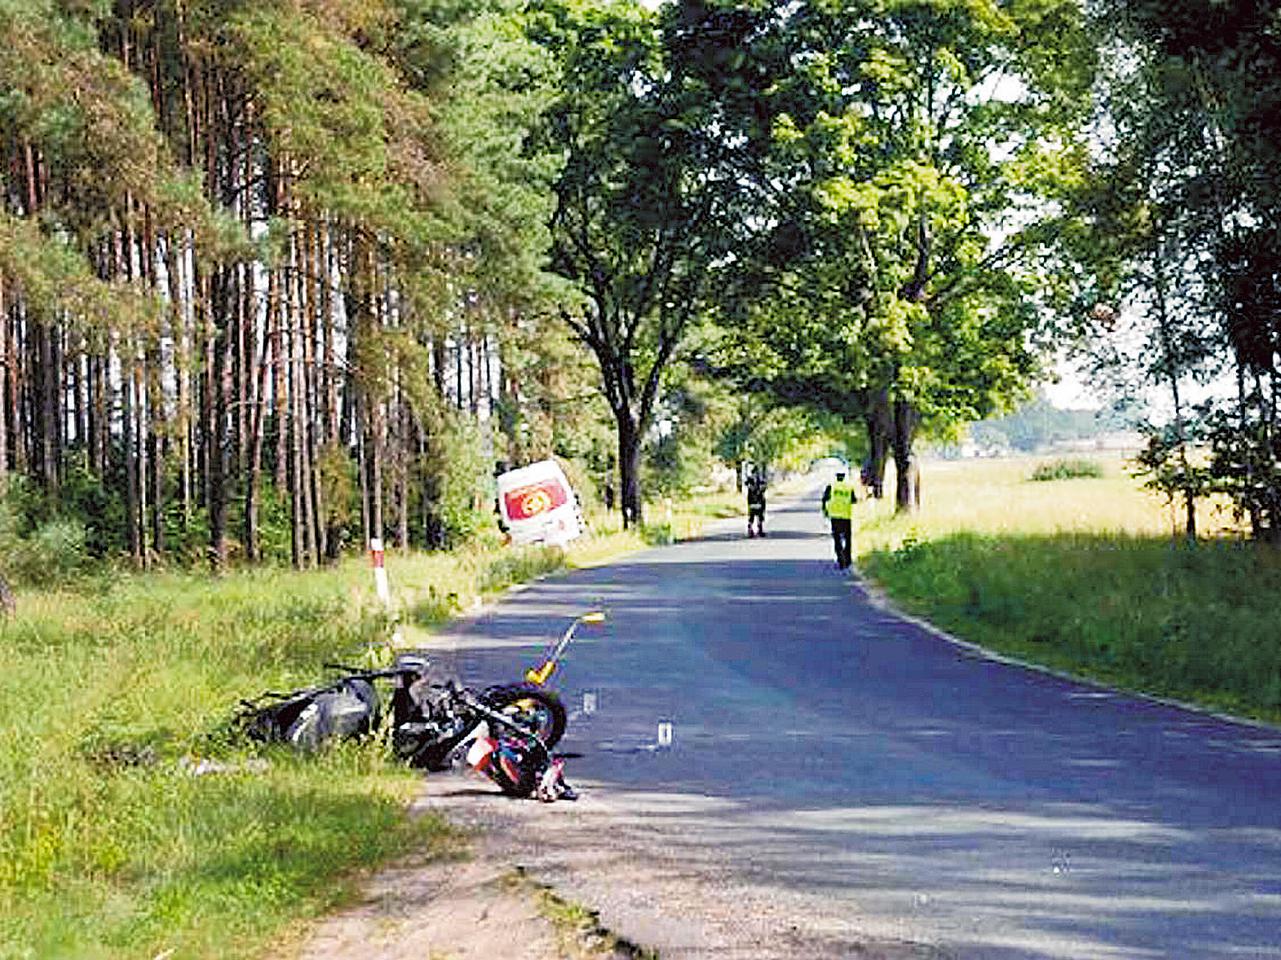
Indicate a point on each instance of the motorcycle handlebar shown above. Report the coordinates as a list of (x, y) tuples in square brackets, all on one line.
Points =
[(366, 674)]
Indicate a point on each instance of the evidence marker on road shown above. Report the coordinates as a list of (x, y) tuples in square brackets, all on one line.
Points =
[(664, 734)]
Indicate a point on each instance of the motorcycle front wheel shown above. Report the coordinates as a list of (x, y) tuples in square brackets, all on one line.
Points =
[(512, 767), (541, 712)]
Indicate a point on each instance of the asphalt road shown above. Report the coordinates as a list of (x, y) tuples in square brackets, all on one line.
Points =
[(842, 782)]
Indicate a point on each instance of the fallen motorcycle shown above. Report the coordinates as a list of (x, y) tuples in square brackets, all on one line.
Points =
[(505, 731)]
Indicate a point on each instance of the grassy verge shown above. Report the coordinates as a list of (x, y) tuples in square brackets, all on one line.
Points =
[(112, 845), (1083, 575)]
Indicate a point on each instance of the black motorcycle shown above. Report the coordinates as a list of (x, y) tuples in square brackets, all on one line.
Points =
[(506, 731)]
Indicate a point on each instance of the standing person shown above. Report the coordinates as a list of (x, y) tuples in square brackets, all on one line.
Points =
[(756, 504), (838, 504)]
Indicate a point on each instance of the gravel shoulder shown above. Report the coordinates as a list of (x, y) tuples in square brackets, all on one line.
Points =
[(624, 866)]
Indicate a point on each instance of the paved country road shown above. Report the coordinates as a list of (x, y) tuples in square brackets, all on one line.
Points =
[(843, 783)]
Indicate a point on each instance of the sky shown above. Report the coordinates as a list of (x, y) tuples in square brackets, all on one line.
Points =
[(1072, 391)]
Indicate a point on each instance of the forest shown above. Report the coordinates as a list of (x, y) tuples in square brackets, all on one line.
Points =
[(277, 276)]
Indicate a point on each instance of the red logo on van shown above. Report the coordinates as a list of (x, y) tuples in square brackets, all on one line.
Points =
[(535, 498)]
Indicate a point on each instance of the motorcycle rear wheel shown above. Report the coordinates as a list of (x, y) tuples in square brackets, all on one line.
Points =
[(541, 712)]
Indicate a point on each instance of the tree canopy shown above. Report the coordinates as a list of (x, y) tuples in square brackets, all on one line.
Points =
[(280, 277)]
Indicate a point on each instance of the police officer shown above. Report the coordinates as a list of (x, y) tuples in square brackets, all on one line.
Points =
[(756, 504), (838, 503)]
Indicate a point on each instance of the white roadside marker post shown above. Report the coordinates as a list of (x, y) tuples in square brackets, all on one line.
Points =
[(382, 587)]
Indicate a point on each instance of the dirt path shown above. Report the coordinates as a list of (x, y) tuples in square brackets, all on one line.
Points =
[(630, 859), (466, 909), (459, 911)]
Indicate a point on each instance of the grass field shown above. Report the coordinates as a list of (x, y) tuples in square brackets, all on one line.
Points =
[(114, 690), (1086, 575), (999, 496)]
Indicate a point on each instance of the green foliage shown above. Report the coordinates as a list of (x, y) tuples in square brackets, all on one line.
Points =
[(275, 523), (1172, 463), (51, 552), (339, 482), (456, 480), (673, 468), (1190, 622), (43, 540), (1068, 469), (434, 607), (880, 280), (1245, 462), (323, 98), (690, 415), (54, 551), (658, 534), (759, 432)]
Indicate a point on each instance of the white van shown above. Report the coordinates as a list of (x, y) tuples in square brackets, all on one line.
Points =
[(537, 504)]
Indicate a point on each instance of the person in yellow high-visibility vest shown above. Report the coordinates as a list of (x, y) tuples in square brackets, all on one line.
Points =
[(838, 507)]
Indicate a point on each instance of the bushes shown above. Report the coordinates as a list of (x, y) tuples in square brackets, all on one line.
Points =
[(1065, 469), (455, 477), (47, 554)]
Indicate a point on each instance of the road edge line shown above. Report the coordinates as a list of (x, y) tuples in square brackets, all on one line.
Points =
[(881, 600)]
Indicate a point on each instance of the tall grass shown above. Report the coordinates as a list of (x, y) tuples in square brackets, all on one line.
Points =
[(1087, 578), (109, 844)]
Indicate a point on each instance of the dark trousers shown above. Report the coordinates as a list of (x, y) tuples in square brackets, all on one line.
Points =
[(841, 540), (755, 514)]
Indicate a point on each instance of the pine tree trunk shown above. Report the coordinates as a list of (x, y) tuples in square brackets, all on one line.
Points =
[(460, 348), (220, 336), (156, 426), (278, 359), (42, 387), (402, 476), (362, 469), (140, 432), (307, 398), (302, 479), (378, 431), (298, 550), (328, 352), (4, 388), (253, 470), (132, 538), (79, 399), (100, 423), (181, 362), (47, 404), (19, 400), (438, 364), (57, 402)]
